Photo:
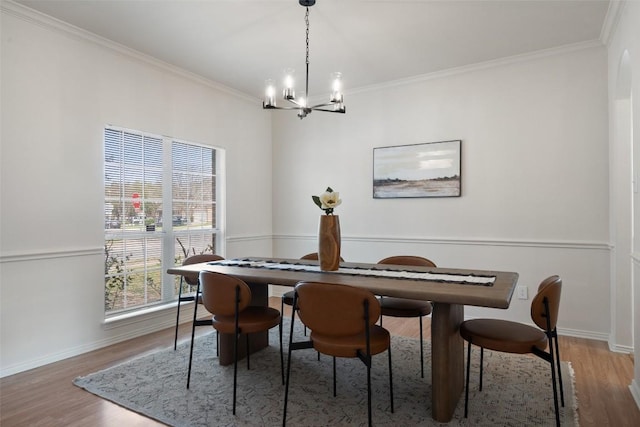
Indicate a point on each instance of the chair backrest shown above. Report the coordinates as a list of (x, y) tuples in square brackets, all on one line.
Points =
[(335, 310), (412, 260), (192, 279), (219, 293), (313, 256), (550, 288)]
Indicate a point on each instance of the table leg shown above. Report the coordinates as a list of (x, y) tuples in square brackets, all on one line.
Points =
[(257, 341), (447, 360)]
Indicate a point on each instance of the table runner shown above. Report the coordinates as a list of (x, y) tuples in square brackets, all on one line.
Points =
[(405, 273)]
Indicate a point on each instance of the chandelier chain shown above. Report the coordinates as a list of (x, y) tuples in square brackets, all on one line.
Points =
[(306, 21)]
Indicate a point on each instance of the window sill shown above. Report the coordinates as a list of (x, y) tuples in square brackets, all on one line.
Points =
[(158, 312)]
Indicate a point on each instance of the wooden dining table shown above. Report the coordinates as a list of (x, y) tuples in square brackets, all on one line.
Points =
[(448, 289)]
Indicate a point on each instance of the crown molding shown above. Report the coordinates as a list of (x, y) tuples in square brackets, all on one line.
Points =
[(515, 59), (611, 21), (46, 21), (50, 23)]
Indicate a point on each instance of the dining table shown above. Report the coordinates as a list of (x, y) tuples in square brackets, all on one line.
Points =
[(449, 290)]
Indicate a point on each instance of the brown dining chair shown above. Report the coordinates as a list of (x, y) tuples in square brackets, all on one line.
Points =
[(228, 299), (402, 307), (512, 337), (191, 282), (342, 320), (287, 297)]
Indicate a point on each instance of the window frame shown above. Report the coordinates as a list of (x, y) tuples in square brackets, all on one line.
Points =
[(168, 234)]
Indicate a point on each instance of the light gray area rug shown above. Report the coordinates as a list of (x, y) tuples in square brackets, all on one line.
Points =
[(516, 389)]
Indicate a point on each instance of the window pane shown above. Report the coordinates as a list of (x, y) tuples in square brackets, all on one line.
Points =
[(132, 149), (133, 213), (190, 244)]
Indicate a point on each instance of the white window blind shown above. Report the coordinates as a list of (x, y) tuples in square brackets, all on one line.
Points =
[(160, 206)]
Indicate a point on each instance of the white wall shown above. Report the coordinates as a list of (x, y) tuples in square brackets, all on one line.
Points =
[(60, 87), (624, 113), (534, 177)]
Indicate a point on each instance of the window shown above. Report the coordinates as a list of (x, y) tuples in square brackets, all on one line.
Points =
[(155, 215)]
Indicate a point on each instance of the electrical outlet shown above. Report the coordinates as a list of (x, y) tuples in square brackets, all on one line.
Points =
[(523, 292)]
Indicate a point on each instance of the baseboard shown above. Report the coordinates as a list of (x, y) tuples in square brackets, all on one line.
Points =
[(620, 348), (162, 322), (278, 291), (635, 392)]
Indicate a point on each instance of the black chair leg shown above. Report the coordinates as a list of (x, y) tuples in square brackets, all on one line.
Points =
[(369, 390), (286, 389), (421, 349), (334, 377), (555, 387), (559, 370), (235, 369), (193, 333), (390, 379), (281, 310), (281, 354), (190, 360), (481, 366), (175, 340), (466, 388)]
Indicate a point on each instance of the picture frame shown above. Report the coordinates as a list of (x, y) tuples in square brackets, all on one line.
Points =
[(431, 169)]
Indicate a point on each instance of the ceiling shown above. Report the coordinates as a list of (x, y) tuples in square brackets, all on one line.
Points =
[(241, 43)]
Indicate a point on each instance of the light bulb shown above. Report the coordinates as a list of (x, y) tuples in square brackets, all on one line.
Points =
[(336, 87), (288, 92), (269, 94)]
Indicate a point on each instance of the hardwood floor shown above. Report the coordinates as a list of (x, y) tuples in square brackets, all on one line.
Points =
[(45, 396)]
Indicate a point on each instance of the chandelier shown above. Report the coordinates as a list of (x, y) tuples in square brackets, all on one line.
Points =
[(335, 104)]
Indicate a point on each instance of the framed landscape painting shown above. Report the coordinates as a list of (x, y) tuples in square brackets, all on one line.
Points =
[(418, 170)]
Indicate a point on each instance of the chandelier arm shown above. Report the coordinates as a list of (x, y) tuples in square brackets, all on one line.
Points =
[(328, 104), (294, 102), (281, 108), (343, 110)]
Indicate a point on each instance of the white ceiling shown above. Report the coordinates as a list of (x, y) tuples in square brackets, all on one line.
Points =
[(241, 43)]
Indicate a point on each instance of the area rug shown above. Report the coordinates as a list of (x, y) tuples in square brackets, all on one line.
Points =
[(516, 389)]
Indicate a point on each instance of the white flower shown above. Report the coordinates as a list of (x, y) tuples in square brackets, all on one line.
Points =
[(327, 201), (330, 200)]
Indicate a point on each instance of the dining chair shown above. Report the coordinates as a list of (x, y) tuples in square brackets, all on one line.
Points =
[(228, 299), (517, 338), (342, 320), (402, 307), (191, 281), (287, 297)]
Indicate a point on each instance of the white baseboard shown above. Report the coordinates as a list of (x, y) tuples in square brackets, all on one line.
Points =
[(278, 291), (162, 319), (620, 348), (71, 352), (635, 392)]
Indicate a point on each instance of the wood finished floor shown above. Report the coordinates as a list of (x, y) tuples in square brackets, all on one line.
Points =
[(45, 396)]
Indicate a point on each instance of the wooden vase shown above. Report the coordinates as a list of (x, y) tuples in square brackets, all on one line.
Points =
[(329, 242)]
